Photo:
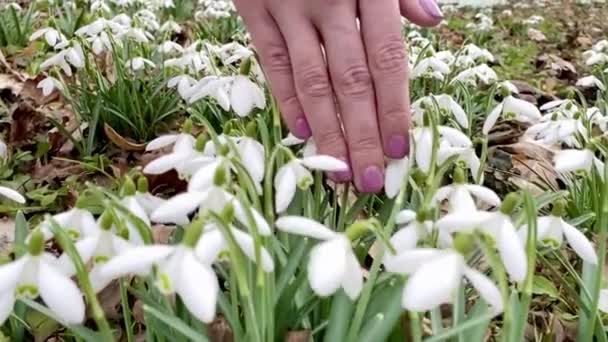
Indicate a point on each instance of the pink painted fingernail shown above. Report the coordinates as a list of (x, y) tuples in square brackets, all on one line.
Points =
[(397, 147), (303, 130), (342, 176), (373, 179), (431, 8)]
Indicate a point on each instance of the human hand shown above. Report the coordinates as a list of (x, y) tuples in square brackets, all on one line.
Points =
[(346, 86)]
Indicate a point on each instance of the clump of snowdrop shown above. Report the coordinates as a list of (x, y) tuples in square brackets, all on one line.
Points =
[(591, 82), (512, 108)]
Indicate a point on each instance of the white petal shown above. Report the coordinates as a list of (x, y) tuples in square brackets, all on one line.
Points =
[(164, 164), (406, 238), (161, 142), (7, 302), (210, 245), (327, 266), (324, 163), (178, 207), (285, 188), (424, 151), (252, 153), (60, 294), (454, 137), (433, 283), (462, 221), (241, 96), (10, 273), (521, 108), (261, 224), (486, 288), (245, 241), (603, 300), (485, 194), (85, 248), (579, 243), (304, 226), (198, 288), (405, 216), (512, 252), (408, 261), (573, 160), (352, 282), (396, 175), (491, 119), (12, 194), (443, 193), (134, 260), (203, 178)]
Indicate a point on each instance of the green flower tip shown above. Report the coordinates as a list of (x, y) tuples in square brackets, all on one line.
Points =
[(201, 142), (252, 129), (509, 203), (220, 177), (245, 67), (187, 127), (559, 208), (142, 185), (106, 221), (193, 233), (358, 229), (36, 244), (419, 176), (81, 203), (459, 176), (223, 149), (128, 187), (423, 215), (227, 213), (464, 243)]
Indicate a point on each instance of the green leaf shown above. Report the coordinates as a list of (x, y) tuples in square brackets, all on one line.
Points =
[(340, 317), (176, 324), (383, 322), (21, 231), (543, 286)]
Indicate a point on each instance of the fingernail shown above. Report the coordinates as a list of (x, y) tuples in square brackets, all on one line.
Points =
[(342, 176), (303, 130), (431, 8), (397, 147), (373, 180)]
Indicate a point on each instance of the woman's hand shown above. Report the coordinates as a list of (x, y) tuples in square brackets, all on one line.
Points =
[(345, 85)]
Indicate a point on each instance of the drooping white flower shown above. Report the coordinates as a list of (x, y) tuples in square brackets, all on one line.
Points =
[(396, 174), (412, 228), (430, 67), (51, 36), (215, 87), (48, 85), (445, 103), (466, 155), (58, 60), (245, 96), (131, 204), (556, 131), (184, 153), (170, 26), (170, 46), (460, 196), (138, 63), (593, 57), (184, 84), (332, 264), (423, 139), (591, 82), (178, 271), (435, 277), (482, 73), (577, 160), (37, 274), (12, 195), (253, 156), (551, 230), (296, 173), (514, 109), (77, 222)]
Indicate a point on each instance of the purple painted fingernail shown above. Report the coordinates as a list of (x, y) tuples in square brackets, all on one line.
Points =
[(373, 179), (397, 147), (303, 130), (342, 176), (431, 8)]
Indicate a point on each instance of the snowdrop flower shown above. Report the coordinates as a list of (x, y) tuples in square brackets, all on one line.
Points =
[(593, 58), (245, 96), (178, 271), (97, 249), (101, 43), (296, 174), (77, 222), (310, 147), (51, 36), (183, 158), (145, 199), (508, 86), (512, 109), (445, 103), (534, 20), (183, 83), (431, 66), (11, 194), (482, 72), (396, 174), (423, 139), (139, 63), (171, 26), (552, 229), (435, 277), (48, 85), (253, 156), (465, 155), (577, 160), (234, 52), (471, 54), (445, 56), (591, 82), (217, 88), (556, 131), (460, 196), (37, 274), (563, 108), (169, 46), (58, 60), (131, 203), (213, 242), (412, 228), (332, 264)]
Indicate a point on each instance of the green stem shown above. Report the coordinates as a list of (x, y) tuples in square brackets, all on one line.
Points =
[(126, 311)]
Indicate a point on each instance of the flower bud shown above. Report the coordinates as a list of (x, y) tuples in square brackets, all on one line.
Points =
[(359, 228), (193, 233), (201, 142), (227, 213), (509, 203), (252, 129), (35, 246), (142, 185), (219, 178), (419, 176), (463, 243), (245, 67), (459, 176), (187, 127), (128, 187), (106, 221), (81, 203), (223, 149), (559, 208)]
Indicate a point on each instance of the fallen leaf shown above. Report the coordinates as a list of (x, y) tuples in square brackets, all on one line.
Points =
[(121, 141), (220, 330), (298, 336), (536, 35)]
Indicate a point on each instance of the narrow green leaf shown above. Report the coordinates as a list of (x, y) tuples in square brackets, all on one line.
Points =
[(173, 322), (339, 318)]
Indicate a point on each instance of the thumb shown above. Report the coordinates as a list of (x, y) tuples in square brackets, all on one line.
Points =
[(421, 12)]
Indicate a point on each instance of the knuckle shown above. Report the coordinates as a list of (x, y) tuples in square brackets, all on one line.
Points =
[(391, 57), (365, 144), (395, 117), (355, 81), (332, 139), (277, 58), (314, 82)]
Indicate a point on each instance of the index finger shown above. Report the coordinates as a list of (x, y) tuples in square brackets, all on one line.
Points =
[(387, 61)]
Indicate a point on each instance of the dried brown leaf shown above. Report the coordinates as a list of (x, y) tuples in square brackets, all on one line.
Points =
[(121, 141)]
